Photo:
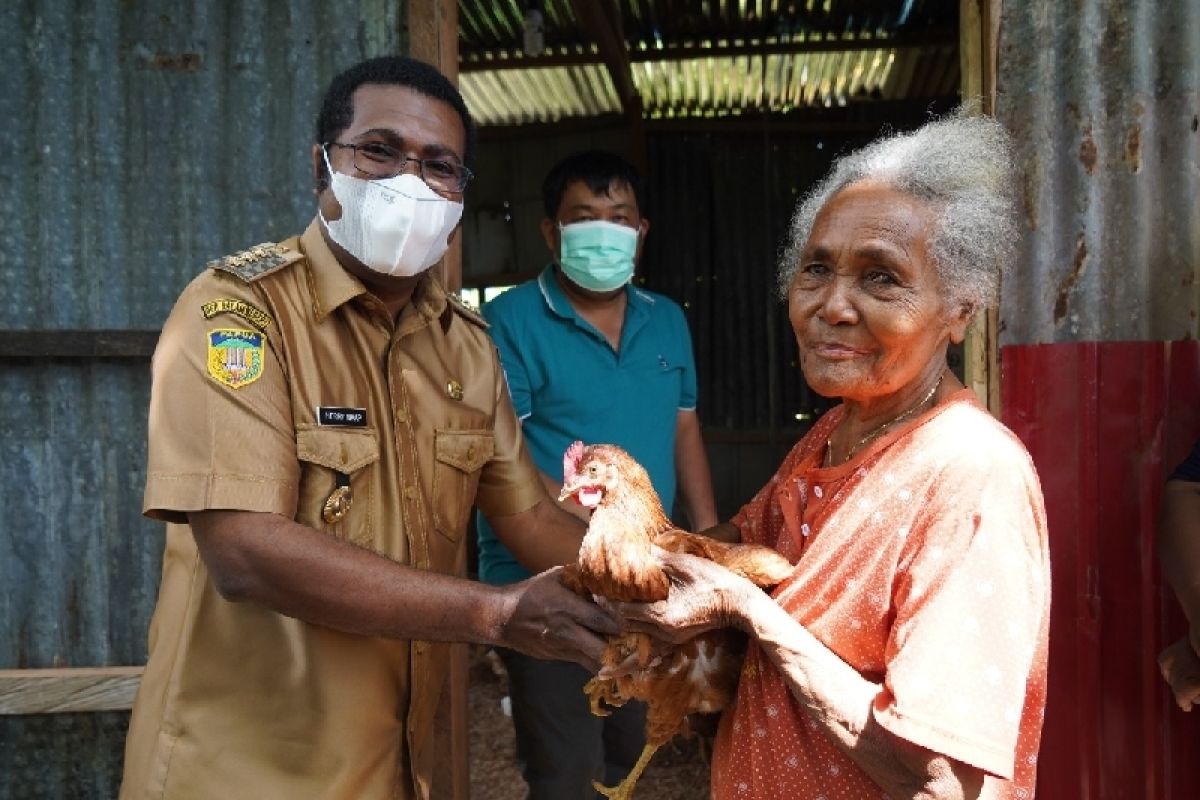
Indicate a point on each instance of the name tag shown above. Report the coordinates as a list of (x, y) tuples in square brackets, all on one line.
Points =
[(340, 417)]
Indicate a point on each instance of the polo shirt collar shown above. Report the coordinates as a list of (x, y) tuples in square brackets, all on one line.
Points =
[(637, 302), (333, 286)]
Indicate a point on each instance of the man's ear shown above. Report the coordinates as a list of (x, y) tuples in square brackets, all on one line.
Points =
[(643, 229), (320, 174), (550, 236), (959, 321)]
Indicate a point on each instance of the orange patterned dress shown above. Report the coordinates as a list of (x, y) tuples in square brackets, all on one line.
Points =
[(923, 563)]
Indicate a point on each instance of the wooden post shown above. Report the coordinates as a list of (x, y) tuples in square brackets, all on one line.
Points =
[(433, 38), (979, 29)]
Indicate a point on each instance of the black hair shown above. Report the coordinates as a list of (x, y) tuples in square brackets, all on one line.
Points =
[(337, 107), (598, 169)]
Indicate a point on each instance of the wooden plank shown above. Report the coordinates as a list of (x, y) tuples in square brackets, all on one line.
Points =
[(57, 691), (43, 344)]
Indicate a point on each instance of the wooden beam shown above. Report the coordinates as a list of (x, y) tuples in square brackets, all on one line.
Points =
[(60, 691), (82, 344), (433, 38), (979, 22), (600, 20), (479, 62)]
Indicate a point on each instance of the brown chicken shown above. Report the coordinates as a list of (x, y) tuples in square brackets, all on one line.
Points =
[(618, 560)]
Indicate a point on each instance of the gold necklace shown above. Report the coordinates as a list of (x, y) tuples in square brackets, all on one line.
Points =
[(876, 431)]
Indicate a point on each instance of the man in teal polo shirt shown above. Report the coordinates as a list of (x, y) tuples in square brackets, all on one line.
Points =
[(589, 356)]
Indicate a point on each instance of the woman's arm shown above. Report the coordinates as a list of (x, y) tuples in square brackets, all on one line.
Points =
[(836, 697)]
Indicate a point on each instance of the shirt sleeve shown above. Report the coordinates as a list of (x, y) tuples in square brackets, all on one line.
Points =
[(498, 315), (1189, 470), (509, 482), (219, 437), (688, 393), (970, 608)]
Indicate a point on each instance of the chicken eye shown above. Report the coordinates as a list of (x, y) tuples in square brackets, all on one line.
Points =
[(593, 470)]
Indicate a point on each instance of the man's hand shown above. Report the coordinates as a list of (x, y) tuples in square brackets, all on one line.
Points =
[(1180, 668), (549, 621)]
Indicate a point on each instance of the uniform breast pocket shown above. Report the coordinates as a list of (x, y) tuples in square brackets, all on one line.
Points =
[(460, 455), (336, 477)]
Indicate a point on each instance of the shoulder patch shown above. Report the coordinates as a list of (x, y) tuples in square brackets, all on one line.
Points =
[(257, 261), (235, 356), (466, 312), (247, 311)]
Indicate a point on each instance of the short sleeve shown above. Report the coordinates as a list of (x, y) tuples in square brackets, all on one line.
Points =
[(970, 607), (509, 482), (688, 394), (516, 374), (221, 434), (1189, 470)]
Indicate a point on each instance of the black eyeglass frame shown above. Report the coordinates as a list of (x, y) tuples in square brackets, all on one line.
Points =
[(465, 173)]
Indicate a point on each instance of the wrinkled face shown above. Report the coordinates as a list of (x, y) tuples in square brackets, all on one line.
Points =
[(866, 303)]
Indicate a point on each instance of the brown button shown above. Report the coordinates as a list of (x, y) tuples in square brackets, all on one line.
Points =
[(401, 416), (454, 389), (410, 492), (470, 452)]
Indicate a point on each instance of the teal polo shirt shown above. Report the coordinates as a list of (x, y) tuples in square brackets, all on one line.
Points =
[(568, 383)]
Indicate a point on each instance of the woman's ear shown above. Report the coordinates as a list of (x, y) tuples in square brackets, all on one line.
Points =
[(960, 319)]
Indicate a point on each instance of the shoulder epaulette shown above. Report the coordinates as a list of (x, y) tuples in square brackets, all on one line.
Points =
[(466, 312), (257, 261)]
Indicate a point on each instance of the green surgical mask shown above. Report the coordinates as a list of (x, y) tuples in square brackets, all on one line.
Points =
[(597, 255)]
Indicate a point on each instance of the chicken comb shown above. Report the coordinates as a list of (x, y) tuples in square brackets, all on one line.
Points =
[(572, 459)]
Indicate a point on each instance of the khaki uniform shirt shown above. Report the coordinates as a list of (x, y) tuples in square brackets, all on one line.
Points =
[(280, 382)]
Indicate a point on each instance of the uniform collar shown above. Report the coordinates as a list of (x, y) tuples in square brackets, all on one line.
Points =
[(332, 285)]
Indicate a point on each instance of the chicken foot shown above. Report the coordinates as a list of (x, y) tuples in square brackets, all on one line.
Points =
[(624, 789)]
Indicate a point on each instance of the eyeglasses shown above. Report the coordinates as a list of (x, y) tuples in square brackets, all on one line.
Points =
[(381, 161)]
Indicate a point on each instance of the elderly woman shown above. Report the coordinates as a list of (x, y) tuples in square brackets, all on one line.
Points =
[(905, 656)]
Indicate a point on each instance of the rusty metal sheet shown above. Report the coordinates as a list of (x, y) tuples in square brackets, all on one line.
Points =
[(1104, 102)]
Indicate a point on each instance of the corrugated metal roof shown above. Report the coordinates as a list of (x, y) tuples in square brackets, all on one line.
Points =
[(1103, 100), (711, 59)]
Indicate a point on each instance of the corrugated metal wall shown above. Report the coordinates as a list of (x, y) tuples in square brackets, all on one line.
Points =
[(139, 141), (1104, 101)]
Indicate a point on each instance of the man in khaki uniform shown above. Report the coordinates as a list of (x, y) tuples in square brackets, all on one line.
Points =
[(322, 418)]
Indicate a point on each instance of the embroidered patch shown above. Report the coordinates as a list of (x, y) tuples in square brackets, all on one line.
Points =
[(247, 311), (235, 357)]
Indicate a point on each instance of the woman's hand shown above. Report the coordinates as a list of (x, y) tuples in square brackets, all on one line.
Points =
[(704, 595)]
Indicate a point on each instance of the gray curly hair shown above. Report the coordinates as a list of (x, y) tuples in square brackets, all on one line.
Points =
[(962, 166)]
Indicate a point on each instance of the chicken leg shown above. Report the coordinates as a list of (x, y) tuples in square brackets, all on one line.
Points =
[(624, 789)]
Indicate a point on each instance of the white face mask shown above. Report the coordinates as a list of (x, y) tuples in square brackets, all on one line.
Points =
[(395, 226)]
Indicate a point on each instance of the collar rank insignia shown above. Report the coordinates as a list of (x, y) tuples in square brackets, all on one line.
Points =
[(235, 356)]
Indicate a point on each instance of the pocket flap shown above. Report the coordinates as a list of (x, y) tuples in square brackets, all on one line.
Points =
[(344, 450), (466, 450)]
